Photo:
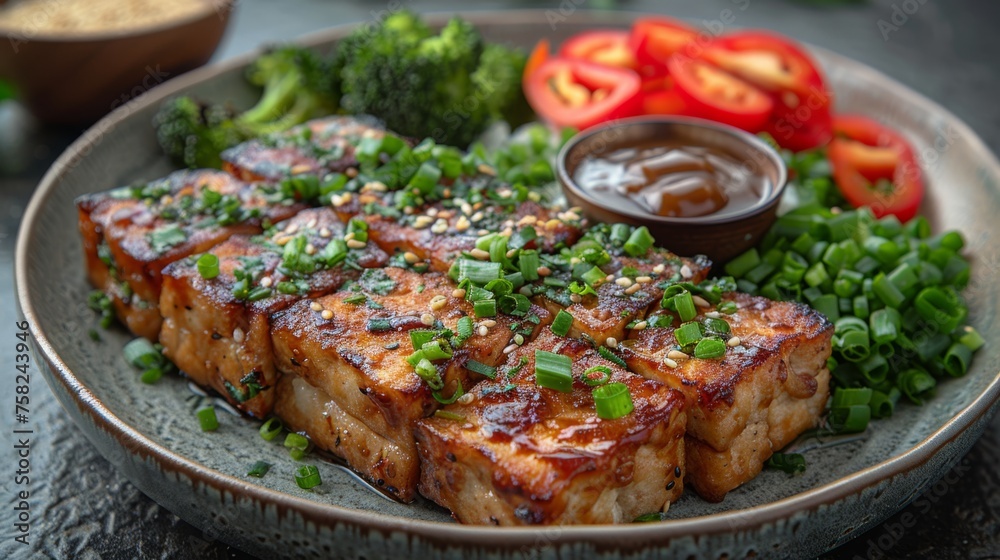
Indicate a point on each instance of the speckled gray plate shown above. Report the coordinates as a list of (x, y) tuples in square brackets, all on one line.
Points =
[(150, 434)]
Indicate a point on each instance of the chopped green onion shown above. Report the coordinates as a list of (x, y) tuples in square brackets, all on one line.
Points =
[(972, 339), (791, 463), (710, 348), (356, 299), (605, 375), (562, 323), (307, 477), (141, 353), (459, 391), (481, 369), (718, 327), (684, 304), (479, 272), (208, 266), (529, 263), (744, 263), (687, 334), (259, 293), (853, 345), (464, 328), (429, 373), (885, 325), (850, 419), (553, 371), (207, 419), (271, 428), (610, 356), (882, 404), (639, 242), (151, 375), (296, 441), (915, 384), (434, 350), (485, 308), (259, 469), (379, 324), (957, 360), (593, 277), (887, 291), (613, 401), (419, 337), (844, 397), (828, 305), (940, 306)]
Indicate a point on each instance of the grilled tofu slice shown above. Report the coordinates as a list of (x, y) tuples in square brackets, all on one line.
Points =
[(752, 401), (353, 346), (520, 454), (634, 287), (317, 147), (130, 234), (218, 330), (440, 232)]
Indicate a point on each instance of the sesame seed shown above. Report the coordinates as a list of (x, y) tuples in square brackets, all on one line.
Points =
[(643, 279), (355, 244), (349, 236), (677, 355), (433, 212), (713, 314), (670, 363), (421, 222), (427, 319), (552, 224), (440, 226), (510, 349), (478, 217), (633, 289), (446, 193), (611, 342), (438, 302), (641, 325), (489, 323), (266, 281), (374, 186), (466, 398), (686, 271), (411, 257), (325, 232), (311, 223), (315, 306), (300, 168), (238, 335), (519, 339), (505, 192), (408, 210), (624, 282), (658, 269), (466, 208), (534, 196), (609, 277), (458, 293), (486, 170), (483, 331), (575, 260), (700, 301), (734, 342), (480, 254), (575, 298), (351, 172), (463, 224), (511, 253), (326, 314), (291, 229), (527, 220), (282, 240), (310, 249), (544, 271)]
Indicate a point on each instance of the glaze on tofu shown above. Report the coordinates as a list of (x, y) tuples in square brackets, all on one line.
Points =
[(521, 454)]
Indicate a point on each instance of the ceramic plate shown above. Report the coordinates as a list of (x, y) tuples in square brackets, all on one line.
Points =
[(151, 435)]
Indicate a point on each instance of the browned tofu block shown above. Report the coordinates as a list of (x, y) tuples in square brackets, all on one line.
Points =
[(619, 302), (441, 232), (130, 234), (755, 399), (218, 330), (315, 148), (353, 346), (520, 454)]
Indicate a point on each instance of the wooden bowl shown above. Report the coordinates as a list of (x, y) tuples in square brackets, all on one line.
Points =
[(718, 236), (77, 79)]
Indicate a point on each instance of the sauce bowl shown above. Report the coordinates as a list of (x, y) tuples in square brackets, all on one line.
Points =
[(719, 236)]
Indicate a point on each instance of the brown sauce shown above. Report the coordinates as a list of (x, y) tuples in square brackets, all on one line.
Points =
[(672, 180)]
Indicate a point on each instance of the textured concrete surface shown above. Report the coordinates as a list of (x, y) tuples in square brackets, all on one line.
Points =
[(82, 508)]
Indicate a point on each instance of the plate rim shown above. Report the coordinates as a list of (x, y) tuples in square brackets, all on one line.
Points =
[(136, 443)]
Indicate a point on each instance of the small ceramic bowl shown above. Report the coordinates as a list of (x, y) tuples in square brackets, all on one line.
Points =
[(720, 237), (76, 79)]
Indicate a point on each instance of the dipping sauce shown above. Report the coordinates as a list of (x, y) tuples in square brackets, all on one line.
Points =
[(672, 180), (86, 17)]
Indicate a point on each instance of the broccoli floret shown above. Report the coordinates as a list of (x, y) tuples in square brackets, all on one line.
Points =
[(428, 85), (297, 86)]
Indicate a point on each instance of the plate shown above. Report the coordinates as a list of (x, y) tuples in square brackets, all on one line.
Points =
[(151, 435)]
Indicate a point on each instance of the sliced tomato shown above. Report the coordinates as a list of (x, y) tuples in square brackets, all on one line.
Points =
[(578, 93), (875, 166), (609, 47), (768, 61), (538, 56), (805, 126), (660, 96), (655, 39), (713, 94)]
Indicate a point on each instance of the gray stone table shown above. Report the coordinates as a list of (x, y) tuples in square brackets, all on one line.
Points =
[(82, 508)]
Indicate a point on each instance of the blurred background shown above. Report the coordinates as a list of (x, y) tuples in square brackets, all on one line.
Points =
[(947, 51)]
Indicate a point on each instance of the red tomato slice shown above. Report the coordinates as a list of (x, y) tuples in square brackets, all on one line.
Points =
[(713, 94), (803, 127), (609, 48), (768, 61), (577, 93), (655, 39), (875, 166), (660, 97), (538, 55)]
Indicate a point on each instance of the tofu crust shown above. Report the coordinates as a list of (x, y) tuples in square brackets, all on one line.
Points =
[(521, 454)]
